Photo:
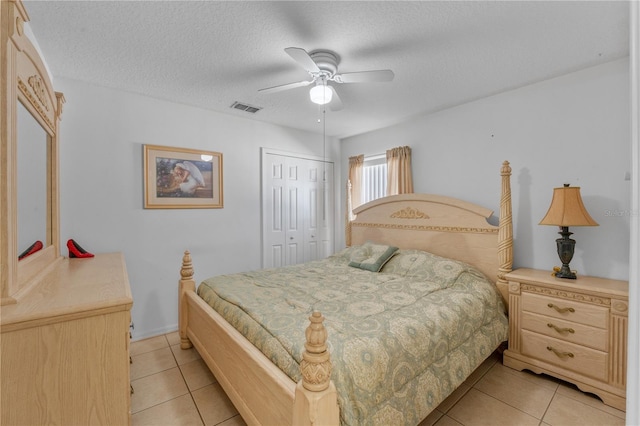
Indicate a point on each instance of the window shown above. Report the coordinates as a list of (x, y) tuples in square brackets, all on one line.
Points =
[(374, 178)]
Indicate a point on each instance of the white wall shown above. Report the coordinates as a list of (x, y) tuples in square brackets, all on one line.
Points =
[(101, 160), (571, 129)]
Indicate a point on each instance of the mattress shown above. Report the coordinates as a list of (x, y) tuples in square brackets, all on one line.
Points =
[(401, 339)]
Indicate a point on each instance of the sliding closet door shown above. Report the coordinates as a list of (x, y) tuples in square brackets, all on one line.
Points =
[(297, 218)]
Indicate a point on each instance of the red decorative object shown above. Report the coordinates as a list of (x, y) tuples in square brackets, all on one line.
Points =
[(32, 249), (76, 251)]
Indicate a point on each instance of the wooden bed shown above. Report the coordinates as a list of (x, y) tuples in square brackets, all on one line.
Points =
[(265, 395)]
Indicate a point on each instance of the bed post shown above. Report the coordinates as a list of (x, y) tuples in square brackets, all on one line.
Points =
[(505, 233), (316, 398), (186, 284)]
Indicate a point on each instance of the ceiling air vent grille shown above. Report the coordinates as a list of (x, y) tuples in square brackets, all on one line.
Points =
[(244, 107)]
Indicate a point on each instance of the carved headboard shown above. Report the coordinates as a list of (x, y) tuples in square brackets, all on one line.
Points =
[(444, 226)]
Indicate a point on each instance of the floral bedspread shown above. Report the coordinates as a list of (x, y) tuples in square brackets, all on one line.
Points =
[(401, 340)]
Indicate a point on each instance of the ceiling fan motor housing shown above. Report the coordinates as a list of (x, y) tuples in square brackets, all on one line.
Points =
[(326, 60)]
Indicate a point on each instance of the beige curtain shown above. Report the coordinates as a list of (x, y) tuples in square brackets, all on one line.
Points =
[(399, 180), (354, 192)]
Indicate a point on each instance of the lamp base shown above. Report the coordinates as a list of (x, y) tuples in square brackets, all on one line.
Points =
[(566, 247), (565, 272)]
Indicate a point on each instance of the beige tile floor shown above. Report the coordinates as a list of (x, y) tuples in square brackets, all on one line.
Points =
[(175, 387)]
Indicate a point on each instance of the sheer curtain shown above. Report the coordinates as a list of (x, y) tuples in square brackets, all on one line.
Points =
[(399, 180), (354, 191)]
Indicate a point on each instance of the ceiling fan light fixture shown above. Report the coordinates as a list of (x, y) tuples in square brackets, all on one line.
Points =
[(320, 94)]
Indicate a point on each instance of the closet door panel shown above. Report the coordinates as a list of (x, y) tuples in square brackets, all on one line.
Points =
[(295, 212), (273, 210), (297, 209)]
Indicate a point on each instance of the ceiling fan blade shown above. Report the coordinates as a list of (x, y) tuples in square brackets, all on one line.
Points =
[(302, 57), (364, 77), (285, 87), (336, 102)]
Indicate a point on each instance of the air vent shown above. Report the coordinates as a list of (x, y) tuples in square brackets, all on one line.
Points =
[(244, 107)]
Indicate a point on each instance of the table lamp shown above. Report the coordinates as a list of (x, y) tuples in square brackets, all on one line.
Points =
[(567, 210)]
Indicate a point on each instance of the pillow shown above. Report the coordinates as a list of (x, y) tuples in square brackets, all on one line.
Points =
[(371, 257)]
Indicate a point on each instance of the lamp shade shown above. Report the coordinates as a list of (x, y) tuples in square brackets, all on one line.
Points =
[(320, 94), (567, 209)]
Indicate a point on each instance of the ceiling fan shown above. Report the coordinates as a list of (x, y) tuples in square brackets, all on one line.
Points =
[(322, 66)]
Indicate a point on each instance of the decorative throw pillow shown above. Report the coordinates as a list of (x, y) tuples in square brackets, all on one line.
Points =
[(372, 257)]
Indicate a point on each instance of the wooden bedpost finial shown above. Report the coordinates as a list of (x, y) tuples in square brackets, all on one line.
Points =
[(316, 398), (186, 272), (506, 169), (505, 231), (316, 364)]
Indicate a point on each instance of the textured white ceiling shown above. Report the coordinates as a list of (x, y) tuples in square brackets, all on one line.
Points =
[(212, 53)]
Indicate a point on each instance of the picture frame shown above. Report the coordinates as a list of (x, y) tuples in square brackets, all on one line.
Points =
[(182, 178)]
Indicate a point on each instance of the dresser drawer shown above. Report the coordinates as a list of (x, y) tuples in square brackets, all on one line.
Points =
[(596, 338), (582, 313), (569, 356)]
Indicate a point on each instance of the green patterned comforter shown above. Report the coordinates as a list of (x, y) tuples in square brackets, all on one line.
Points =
[(401, 340)]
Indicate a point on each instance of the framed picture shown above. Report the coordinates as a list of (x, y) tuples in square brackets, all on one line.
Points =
[(180, 178)]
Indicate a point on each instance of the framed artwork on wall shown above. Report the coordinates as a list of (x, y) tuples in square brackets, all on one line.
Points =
[(181, 178)]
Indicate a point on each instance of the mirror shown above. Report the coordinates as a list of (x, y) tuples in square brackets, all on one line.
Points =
[(31, 147), (29, 204)]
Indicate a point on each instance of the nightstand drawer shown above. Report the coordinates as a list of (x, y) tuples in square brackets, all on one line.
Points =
[(596, 338), (583, 313), (569, 356)]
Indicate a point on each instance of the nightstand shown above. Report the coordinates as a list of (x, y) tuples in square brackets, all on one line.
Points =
[(575, 330)]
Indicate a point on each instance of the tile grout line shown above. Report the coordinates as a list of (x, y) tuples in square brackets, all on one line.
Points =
[(473, 386), (155, 372), (507, 404), (189, 389), (540, 420), (555, 392), (161, 371), (185, 382)]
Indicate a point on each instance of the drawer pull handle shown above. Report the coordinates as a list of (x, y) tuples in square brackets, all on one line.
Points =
[(561, 330), (560, 354), (559, 309)]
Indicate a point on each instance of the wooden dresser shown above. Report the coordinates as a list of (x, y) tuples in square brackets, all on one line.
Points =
[(65, 346), (575, 330)]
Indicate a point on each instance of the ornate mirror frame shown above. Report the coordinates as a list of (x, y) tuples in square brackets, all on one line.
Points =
[(24, 79)]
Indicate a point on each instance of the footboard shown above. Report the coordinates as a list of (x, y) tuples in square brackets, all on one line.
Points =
[(259, 390)]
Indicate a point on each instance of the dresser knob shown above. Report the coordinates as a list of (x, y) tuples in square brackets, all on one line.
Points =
[(559, 309), (561, 330)]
